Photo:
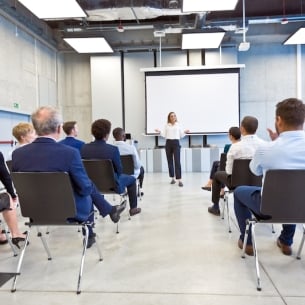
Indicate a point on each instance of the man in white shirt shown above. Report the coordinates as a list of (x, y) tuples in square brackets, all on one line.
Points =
[(127, 149), (244, 149)]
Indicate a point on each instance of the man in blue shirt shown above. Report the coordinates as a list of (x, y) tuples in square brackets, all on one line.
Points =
[(287, 151)]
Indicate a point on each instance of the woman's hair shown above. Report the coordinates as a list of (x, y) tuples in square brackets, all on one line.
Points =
[(235, 132), (22, 129), (169, 116)]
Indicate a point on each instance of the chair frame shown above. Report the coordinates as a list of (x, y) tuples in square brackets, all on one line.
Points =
[(45, 208), (102, 174), (280, 186), (241, 175), (128, 169)]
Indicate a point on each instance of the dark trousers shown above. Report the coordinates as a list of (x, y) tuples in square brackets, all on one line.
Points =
[(141, 176), (172, 149), (214, 169), (129, 182), (247, 199), (221, 178)]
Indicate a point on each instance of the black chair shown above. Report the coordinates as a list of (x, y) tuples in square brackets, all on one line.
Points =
[(222, 161), (101, 172), (241, 175), (47, 200), (283, 201), (128, 169), (9, 165)]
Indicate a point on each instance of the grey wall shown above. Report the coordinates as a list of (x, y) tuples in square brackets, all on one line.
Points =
[(34, 74)]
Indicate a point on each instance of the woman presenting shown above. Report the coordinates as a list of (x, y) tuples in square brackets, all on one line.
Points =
[(173, 133)]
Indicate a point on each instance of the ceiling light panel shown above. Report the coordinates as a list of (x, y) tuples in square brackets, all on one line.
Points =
[(297, 38), (202, 40), (208, 5), (54, 9), (89, 45)]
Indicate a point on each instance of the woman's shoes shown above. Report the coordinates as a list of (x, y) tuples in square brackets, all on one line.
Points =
[(17, 240), (206, 188), (173, 181)]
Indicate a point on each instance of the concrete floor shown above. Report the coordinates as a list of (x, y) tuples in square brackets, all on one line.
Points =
[(174, 252)]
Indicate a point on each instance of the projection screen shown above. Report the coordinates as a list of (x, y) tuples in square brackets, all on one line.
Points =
[(205, 101)]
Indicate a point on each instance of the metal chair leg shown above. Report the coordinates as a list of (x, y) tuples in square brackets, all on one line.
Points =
[(13, 289), (85, 242), (301, 244), (258, 278)]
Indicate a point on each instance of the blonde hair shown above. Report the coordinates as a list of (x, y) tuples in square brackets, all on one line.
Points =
[(22, 129)]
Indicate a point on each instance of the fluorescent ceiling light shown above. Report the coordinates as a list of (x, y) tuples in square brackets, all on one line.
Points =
[(202, 40), (54, 9), (89, 45), (297, 38), (208, 5)]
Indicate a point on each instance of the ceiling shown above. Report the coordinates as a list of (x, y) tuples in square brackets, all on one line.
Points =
[(144, 24)]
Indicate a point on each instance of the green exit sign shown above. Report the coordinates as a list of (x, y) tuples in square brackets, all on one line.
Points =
[(15, 105)]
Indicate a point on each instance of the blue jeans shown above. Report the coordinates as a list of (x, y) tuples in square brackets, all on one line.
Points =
[(247, 199)]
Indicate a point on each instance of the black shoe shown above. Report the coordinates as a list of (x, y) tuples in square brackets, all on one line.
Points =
[(214, 211), (117, 210), (134, 211), (206, 188), (17, 240), (91, 240)]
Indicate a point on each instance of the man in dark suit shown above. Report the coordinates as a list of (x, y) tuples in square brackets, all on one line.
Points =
[(45, 154), (99, 149)]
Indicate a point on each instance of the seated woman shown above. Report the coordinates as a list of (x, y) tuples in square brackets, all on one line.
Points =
[(10, 200), (234, 136)]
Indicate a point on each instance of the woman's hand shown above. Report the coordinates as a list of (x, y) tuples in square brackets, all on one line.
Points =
[(186, 131), (157, 130)]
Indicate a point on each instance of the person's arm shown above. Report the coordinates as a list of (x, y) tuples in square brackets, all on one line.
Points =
[(230, 160), (6, 178), (136, 159)]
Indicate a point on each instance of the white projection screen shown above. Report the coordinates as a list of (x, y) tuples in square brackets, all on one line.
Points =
[(205, 101)]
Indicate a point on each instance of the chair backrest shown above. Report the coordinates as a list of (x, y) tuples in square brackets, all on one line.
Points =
[(283, 196), (102, 174), (9, 165), (242, 175), (128, 165), (47, 198), (223, 161)]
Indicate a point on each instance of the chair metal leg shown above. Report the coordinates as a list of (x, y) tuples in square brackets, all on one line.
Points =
[(258, 278), (245, 238), (301, 244), (13, 289), (6, 232), (228, 215), (44, 242), (85, 242), (272, 228)]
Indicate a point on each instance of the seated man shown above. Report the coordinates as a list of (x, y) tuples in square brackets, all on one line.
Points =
[(99, 149), (71, 130), (285, 152), (127, 149), (243, 149), (45, 154)]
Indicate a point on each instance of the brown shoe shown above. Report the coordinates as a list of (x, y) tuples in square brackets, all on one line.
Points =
[(248, 250), (134, 211), (214, 211), (286, 250)]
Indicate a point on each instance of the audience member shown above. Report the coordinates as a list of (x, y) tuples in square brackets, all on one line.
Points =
[(10, 200), (45, 154), (287, 151), (127, 149), (243, 149), (234, 136), (173, 133), (99, 149), (24, 133), (71, 130)]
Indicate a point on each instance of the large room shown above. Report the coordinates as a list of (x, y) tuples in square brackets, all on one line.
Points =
[(174, 251)]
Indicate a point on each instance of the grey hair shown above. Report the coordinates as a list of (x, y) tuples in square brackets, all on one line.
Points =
[(46, 120)]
